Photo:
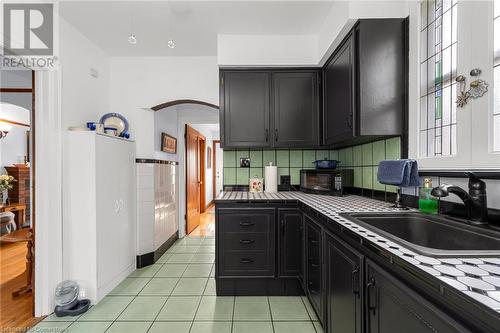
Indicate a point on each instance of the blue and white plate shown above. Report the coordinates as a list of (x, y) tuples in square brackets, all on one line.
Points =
[(115, 120)]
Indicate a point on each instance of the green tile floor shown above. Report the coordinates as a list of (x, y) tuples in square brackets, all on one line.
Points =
[(177, 295)]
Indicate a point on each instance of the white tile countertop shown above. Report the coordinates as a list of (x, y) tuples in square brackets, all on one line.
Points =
[(478, 278)]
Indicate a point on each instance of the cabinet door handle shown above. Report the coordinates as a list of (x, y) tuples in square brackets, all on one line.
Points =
[(247, 224), (311, 262), (283, 227), (267, 135), (247, 241), (371, 294), (276, 135), (355, 280), (312, 240), (311, 289), (349, 120), (246, 260)]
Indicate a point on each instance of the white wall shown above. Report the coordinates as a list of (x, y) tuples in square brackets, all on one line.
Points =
[(14, 146), (255, 50), (84, 98), (143, 82), (303, 50), (166, 121), (335, 27)]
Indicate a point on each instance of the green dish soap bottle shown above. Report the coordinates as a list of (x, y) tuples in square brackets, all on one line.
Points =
[(427, 203)]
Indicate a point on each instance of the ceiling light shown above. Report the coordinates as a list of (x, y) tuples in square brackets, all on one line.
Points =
[(132, 40), (4, 129), (171, 43)]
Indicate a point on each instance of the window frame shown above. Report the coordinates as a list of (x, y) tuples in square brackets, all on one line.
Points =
[(474, 147)]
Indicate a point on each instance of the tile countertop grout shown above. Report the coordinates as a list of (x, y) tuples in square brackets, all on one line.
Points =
[(478, 278)]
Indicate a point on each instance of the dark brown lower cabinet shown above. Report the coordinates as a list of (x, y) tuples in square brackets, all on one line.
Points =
[(290, 242), (314, 265), (393, 307), (278, 249), (344, 287), (246, 238)]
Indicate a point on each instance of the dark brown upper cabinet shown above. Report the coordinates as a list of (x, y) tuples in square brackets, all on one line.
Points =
[(296, 111), (269, 108), (339, 101), (245, 109), (365, 84)]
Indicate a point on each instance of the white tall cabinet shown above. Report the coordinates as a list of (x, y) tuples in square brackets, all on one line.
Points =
[(99, 226)]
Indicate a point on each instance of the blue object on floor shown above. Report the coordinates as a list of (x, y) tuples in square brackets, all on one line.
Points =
[(402, 173)]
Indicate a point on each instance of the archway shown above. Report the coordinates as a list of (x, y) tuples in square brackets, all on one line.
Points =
[(183, 101), (172, 119)]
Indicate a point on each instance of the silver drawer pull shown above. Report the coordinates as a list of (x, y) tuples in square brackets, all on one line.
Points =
[(246, 261), (247, 241), (247, 224)]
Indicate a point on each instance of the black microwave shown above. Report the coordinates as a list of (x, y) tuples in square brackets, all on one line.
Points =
[(326, 181)]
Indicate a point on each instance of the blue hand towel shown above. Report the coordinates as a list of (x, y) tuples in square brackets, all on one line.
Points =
[(402, 173)]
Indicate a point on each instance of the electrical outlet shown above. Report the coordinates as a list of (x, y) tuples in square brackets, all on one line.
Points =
[(245, 162), (285, 180)]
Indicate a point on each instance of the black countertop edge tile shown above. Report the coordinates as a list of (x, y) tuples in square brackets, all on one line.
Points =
[(155, 161)]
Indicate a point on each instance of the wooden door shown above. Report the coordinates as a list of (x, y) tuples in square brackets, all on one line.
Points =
[(392, 307), (218, 169), (290, 238), (344, 271), (338, 121), (296, 112), (245, 109), (195, 174), (314, 263)]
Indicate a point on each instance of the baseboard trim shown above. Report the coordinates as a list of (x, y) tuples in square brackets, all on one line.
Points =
[(165, 246), (150, 258), (209, 204)]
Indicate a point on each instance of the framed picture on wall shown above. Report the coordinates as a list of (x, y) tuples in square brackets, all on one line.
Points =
[(209, 158), (168, 143)]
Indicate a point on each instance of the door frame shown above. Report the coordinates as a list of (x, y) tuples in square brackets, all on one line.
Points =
[(202, 148), (214, 167), (201, 166), (32, 158)]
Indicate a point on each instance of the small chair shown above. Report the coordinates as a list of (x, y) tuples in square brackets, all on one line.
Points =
[(7, 221)]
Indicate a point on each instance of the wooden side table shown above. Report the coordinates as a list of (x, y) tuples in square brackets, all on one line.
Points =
[(23, 235), (19, 209)]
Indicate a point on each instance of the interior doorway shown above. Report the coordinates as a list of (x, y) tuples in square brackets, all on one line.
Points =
[(195, 176), (218, 182), (17, 204)]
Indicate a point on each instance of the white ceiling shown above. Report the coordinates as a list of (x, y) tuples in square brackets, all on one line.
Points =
[(195, 25)]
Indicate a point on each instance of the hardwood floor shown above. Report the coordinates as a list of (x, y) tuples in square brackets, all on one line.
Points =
[(15, 313), (206, 228)]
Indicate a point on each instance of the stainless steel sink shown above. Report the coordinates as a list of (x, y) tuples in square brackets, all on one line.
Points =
[(431, 235)]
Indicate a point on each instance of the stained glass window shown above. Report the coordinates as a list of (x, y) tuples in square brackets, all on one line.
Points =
[(496, 73), (438, 70)]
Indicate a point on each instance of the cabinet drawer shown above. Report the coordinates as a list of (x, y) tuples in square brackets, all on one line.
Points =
[(242, 263), (246, 241), (246, 220)]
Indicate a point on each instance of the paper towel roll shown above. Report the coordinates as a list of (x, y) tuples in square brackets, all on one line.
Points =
[(271, 179)]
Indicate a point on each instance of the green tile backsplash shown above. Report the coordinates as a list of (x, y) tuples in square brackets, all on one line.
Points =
[(363, 159)]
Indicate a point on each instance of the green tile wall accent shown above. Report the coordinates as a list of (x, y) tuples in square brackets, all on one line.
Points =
[(283, 158), (363, 159), (256, 158), (296, 158)]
